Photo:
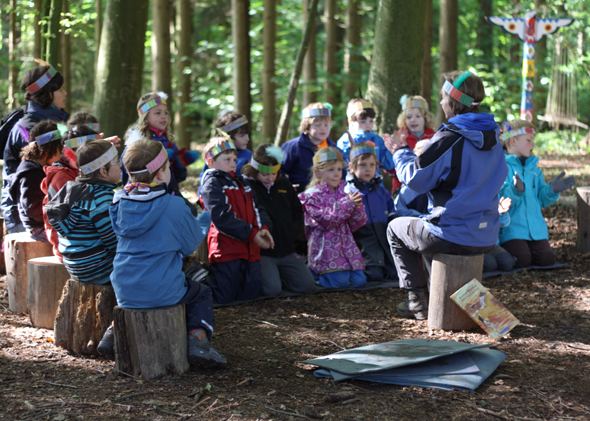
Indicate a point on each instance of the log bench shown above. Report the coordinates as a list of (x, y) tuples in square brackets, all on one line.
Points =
[(151, 342), (448, 274), (47, 278), (19, 248), (83, 315)]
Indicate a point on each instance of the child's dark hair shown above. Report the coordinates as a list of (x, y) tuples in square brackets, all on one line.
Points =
[(90, 151), (228, 118), (79, 131), (43, 95), (82, 117), (355, 161), (34, 151), (262, 156), (362, 114), (471, 86), (138, 155)]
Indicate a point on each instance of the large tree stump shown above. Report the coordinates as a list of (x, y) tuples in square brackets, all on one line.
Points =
[(583, 194), (448, 274), (47, 278), (18, 250), (83, 315), (151, 342)]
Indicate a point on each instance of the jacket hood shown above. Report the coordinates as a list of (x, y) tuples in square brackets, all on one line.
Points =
[(479, 128), (135, 212), (351, 180), (531, 161), (51, 113)]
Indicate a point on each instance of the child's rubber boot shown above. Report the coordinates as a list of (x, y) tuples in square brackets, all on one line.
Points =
[(201, 352), (416, 306), (106, 346)]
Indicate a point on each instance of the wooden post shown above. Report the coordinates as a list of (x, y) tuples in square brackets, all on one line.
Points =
[(448, 274), (151, 342), (18, 250), (3, 234), (47, 278), (83, 315), (583, 194)]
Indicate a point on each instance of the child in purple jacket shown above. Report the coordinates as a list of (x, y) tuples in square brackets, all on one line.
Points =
[(331, 216)]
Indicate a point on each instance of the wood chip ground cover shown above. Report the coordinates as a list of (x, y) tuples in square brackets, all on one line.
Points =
[(545, 376)]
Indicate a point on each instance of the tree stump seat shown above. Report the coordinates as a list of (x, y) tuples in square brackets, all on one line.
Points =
[(47, 278), (151, 342), (83, 315), (583, 209), (19, 248), (448, 274)]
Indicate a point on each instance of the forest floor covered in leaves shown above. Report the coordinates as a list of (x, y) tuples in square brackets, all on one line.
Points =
[(545, 375)]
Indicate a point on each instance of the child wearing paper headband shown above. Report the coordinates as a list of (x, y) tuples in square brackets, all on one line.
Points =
[(45, 96), (331, 216), (155, 231), (461, 169), (45, 147), (371, 238), (316, 123), (527, 237), (239, 226), (282, 268)]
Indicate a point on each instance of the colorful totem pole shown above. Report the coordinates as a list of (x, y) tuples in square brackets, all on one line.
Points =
[(529, 30)]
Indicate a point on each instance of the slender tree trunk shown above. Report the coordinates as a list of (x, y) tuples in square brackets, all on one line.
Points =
[(13, 90), (540, 96), (396, 48), (330, 51), (294, 82), (269, 33), (241, 62), (449, 10), (309, 71), (485, 34), (66, 59), (352, 58), (162, 77), (184, 31), (120, 65), (426, 89), (37, 28), (51, 41), (97, 31)]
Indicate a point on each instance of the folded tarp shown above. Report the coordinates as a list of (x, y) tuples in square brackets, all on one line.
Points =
[(446, 365)]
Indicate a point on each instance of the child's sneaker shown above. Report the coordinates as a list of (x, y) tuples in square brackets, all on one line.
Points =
[(416, 307), (200, 351), (106, 346)]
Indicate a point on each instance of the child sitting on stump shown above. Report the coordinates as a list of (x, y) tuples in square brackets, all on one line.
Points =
[(155, 230)]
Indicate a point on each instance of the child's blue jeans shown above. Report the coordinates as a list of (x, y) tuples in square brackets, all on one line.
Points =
[(341, 279)]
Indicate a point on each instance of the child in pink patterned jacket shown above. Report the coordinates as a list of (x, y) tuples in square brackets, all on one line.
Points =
[(331, 216)]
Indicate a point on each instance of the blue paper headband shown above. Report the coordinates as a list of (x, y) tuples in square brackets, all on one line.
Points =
[(235, 124), (76, 142), (362, 150)]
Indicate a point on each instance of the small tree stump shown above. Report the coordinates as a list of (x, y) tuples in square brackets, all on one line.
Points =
[(18, 250), (449, 273), (583, 194), (83, 315), (47, 278), (151, 342)]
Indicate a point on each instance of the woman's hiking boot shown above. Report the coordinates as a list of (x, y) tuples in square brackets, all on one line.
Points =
[(201, 352), (416, 307)]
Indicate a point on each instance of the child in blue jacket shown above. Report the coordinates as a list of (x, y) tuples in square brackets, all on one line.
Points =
[(371, 238), (155, 231), (527, 237)]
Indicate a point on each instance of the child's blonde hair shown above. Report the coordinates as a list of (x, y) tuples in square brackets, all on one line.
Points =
[(217, 141), (428, 116), (320, 165), (141, 122), (267, 155), (513, 126), (357, 159), (360, 114), (138, 155), (90, 151), (307, 122)]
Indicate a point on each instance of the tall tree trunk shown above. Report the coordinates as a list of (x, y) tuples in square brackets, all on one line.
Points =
[(97, 30), (183, 36), (120, 65), (396, 48), (162, 77), (485, 34), (309, 71), (330, 51), (52, 10), (449, 10), (13, 91), (540, 91), (352, 58), (426, 89), (269, 33), (37, 28), (294, 82), (66, 59), (241, 62)]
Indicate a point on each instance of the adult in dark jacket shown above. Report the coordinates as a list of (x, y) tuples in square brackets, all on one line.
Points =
[(46, 95)]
